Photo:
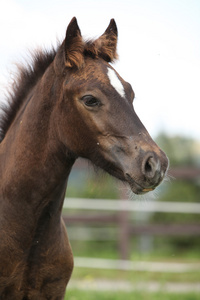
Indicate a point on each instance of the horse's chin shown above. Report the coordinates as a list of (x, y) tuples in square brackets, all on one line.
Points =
[(137, 188)]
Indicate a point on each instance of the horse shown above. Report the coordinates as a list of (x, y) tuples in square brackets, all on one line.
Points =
[(69, 102)]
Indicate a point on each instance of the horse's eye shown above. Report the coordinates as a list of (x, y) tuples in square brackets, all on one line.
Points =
[(90, 100)]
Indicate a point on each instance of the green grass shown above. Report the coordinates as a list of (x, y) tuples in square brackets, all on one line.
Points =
[(132, 276), (162, 251), (92, 295)]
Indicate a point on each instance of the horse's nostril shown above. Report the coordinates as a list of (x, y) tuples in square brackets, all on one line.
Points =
[(150, 166)]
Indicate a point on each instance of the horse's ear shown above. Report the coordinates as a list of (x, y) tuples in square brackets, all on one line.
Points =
[(107, 43), (74, 45)]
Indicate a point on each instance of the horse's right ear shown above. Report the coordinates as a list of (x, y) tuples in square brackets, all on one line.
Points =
[(107, 43), (74, 45)]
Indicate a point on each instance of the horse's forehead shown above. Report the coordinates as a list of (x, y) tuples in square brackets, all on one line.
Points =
[(107, 76), (116, 82)]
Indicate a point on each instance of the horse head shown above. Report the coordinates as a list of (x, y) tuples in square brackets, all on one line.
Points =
[(95, 117)]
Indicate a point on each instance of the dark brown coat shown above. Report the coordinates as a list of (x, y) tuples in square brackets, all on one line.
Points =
[(68, 103)]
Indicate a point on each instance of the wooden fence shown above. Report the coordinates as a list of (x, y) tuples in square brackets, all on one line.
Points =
[(106, 212)]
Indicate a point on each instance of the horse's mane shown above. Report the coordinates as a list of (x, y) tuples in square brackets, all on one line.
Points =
[(26, 77)]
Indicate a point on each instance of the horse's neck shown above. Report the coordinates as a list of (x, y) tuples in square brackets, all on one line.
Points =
[(34, 167)]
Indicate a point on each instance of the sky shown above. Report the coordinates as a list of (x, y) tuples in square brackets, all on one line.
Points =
[(158, 47)]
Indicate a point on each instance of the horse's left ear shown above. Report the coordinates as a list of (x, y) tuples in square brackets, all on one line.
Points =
[(74, 45), (107, 43)]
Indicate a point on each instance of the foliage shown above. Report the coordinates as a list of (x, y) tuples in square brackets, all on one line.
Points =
[(180, 150), (179, 191), (88, 183), (105, 249)]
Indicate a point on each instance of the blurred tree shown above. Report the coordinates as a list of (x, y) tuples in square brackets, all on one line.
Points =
[(88, 183), (180, 150)]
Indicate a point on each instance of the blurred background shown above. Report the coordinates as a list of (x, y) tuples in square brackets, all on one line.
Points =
[(140, 245)]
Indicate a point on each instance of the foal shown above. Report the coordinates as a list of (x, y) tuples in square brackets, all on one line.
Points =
[(70, 103)]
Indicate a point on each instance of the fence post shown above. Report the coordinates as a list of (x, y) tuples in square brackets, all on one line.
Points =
[(124, 232)]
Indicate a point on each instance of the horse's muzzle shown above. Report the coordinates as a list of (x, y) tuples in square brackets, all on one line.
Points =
[(150, 174)]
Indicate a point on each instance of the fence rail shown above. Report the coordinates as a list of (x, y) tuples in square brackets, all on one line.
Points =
[(128, 205), (127, 265), (118, 212)]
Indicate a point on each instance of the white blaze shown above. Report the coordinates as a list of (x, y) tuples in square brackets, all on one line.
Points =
[(115, 82)]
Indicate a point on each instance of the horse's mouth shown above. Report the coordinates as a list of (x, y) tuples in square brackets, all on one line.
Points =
[(136, 187)]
